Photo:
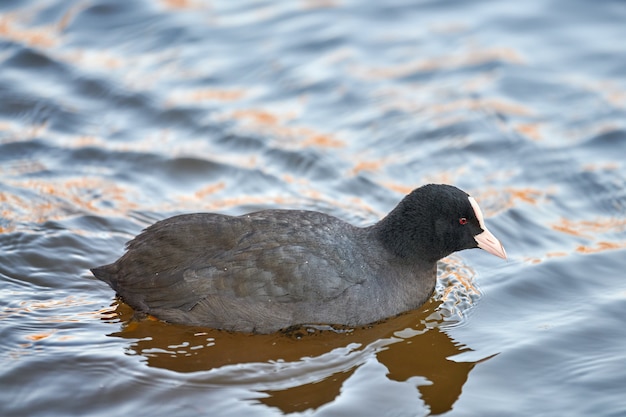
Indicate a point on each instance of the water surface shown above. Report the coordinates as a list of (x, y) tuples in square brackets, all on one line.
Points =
[(116, 114)]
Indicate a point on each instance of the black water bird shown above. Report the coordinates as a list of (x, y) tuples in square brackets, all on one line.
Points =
[(272, 269)]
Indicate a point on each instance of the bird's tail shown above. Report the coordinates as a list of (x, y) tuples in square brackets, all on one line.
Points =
[(106, 273)]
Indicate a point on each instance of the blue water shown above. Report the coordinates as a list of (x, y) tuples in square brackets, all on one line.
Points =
[(115, 114)]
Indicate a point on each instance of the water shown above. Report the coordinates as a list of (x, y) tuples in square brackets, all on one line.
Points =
[(115, 114)]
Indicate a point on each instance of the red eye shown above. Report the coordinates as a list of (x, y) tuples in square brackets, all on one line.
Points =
[(463, 220)]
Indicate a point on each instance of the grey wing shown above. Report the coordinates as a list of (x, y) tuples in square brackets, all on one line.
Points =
[(151, 273), (257, 292), (269, 272), (225, 263)]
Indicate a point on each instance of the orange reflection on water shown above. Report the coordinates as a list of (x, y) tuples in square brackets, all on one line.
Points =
[(224, 203), (466, 59), (184, 4), (494, 201), (11, 28), (497, 105), (204, 94), (601, 166), (30, 306), (526, 195), (101, 59), (459, 278), (398, 188), (445, 177), (320, 140), (259, 117), (217, 95), (529, 130), (47, 312), (368, 166), (611, 91), (51, 311), (353, 205), (209, 189), (293, 180), (39, 336), (17, 132), (601, 247), (432, 100), (590, 228), (546, 256), (278, 126), (59, 199)]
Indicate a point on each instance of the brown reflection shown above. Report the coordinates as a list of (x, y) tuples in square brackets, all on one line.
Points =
[(413, 346), (307, 396), (427, 355)]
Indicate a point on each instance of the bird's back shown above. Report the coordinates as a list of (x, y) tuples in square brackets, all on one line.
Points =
[(242, 273)]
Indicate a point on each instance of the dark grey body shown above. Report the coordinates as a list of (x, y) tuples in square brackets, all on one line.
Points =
[(269, 270), (265, 271)]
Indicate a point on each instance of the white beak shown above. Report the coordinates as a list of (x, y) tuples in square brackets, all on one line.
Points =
[(487, 241)]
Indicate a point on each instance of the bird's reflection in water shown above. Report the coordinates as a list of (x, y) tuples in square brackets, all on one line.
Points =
[(305, 368)]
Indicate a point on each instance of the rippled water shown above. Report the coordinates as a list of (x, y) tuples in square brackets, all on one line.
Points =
[(115, 114)]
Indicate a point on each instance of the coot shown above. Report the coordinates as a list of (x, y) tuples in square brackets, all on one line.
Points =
[(272, 269)]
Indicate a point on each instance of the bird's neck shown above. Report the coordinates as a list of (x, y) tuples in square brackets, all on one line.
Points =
[(406, 234)]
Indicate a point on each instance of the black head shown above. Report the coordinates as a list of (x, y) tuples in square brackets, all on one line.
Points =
[(434, 221)]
